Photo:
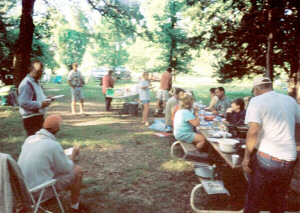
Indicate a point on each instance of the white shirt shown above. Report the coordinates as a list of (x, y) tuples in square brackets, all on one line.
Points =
[(75, 78), (144, 93), (277, 115)]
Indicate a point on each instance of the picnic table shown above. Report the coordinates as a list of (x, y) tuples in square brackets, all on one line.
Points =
[(225, 156), (119, 101)]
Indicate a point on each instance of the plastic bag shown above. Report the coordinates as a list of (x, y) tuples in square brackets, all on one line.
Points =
[(159, 125)]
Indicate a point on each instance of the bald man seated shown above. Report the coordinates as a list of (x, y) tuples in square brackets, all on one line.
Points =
[(42, 159)]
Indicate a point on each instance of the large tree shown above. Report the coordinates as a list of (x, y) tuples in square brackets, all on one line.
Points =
[(23, 45)]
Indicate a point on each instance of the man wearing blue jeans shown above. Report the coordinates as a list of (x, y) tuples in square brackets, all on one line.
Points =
[(270, 155)]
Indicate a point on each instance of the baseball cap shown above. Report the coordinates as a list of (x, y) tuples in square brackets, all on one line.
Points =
[(52, 122), (261, 80)]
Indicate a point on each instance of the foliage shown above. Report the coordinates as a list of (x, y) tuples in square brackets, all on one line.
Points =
[(8, 35), (239, 30)]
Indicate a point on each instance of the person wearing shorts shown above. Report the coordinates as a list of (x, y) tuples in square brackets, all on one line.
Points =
[(42, 159), (185, 121), (163, 92), (76, 82), (144, 93)]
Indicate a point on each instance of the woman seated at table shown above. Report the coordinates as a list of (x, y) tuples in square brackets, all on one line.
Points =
[(185, 121), (236, 114)]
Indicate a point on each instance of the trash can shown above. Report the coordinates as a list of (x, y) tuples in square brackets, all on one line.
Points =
[(133, 107)]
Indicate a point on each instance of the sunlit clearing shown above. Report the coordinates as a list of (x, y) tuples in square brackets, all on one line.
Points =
[(176, 165)]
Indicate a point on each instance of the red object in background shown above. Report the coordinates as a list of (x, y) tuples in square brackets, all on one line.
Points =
[(209, 117)]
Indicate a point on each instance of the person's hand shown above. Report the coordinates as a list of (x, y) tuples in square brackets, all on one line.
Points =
[(225, 122), (46, 103), (229, 110), (245, 165), (75, 151), (214, 112)]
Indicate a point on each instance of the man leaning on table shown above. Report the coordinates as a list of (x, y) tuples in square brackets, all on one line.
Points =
[(270, 155)]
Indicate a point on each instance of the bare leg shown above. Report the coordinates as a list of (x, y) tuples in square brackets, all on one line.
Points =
[(73, 107), (81, 106), (76, 186), (199, 141), (157, 106), (145, 113), (164, 105)]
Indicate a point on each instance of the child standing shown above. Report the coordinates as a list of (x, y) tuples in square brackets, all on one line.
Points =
[(144, 93)]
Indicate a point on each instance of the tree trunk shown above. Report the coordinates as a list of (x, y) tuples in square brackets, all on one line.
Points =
[(294, 81), (270, 44), (23, 45)]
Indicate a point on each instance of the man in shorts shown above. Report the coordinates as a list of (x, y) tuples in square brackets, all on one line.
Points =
[(42, 159), (76, 82), (163, 92)]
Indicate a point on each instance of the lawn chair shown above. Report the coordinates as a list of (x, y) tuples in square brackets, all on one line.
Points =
[(20, 195)]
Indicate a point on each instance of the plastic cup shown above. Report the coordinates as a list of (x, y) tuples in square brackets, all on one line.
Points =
[(235, 159), (202, 112)]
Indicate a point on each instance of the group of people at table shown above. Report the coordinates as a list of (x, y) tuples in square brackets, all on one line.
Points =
[(270, 154)]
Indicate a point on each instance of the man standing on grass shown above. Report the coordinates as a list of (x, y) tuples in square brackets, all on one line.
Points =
[(270, 155), (76, 82), (222, 104), (107, 82), (42, 159), (32, 100), (163, 92)]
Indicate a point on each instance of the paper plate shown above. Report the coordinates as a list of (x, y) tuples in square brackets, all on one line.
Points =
[(58, 96)]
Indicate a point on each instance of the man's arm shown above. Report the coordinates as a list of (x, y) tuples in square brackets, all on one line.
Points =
[(252, 137)]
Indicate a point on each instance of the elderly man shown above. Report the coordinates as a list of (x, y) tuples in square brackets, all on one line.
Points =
[(171, 103), (164, 88), (42, 159), (270, 154), (76, 82), (32, 100), (107, 82), (222, 104)]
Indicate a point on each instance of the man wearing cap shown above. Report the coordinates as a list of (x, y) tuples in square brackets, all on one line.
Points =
[(270, 154), (42, 159), (32, 100)]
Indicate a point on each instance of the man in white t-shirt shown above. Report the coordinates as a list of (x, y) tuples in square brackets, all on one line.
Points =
[(76, 82), (270, 154)]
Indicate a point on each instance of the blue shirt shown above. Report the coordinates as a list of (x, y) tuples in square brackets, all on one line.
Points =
[(181, 122)]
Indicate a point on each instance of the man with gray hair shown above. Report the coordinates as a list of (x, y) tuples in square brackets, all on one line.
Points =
[(32, 100), (270, 155)]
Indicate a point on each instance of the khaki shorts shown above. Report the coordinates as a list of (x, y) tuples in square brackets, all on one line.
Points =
[(62, 182), (162, 95), (77, 94)]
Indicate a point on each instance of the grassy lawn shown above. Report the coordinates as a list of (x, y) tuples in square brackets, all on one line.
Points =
[(127, 168)]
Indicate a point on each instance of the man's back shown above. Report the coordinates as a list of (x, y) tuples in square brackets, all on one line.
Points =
[(277, 115), (166, 80), (42, 158), (107, 81)]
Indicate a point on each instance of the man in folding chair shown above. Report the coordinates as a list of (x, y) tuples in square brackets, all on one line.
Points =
[(42, 159)]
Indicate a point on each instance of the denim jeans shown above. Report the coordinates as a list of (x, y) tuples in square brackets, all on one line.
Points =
[(268, 183)]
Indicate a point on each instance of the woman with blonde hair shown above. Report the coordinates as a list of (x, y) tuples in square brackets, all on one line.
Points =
[(185, 121), (144, 93)]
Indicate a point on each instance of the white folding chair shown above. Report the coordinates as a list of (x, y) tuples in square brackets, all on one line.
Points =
[(16, 173)]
